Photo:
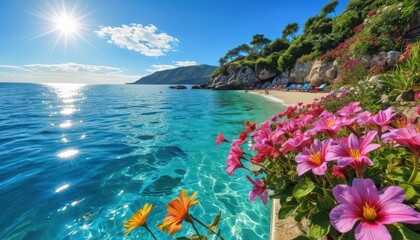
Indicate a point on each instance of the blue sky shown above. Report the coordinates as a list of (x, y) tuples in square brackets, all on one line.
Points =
[(110, 41)]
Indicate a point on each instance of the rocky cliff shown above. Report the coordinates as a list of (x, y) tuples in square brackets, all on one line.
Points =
[(313, 72)]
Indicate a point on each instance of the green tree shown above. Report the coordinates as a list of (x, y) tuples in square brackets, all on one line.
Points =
[(329, 8), (290, 30), (277, 45), (259, 42), (223, 61)]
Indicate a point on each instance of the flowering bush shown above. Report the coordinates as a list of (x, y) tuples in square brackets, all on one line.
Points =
[(327, 167)]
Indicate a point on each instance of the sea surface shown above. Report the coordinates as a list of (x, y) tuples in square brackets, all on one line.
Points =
[(76, 161)]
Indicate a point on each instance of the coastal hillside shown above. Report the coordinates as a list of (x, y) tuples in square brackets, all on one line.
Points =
[(366, 39), (198, 74)]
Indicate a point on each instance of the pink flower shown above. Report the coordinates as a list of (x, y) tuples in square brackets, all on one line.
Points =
[(297, 143), (350, 110), (408, 137), (363, 117), (383, 117), (353, 151), (363, 202), (220, 139), (233, 160), (328, 124), (258, 190), (313, 158)]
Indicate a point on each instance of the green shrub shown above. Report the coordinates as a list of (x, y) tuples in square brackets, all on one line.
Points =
[(298, 48), (269, 63), (308, 57), (278, 45), (406, 75)]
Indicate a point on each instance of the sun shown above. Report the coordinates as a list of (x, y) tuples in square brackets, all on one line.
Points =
[(64, 21), (67, 25)]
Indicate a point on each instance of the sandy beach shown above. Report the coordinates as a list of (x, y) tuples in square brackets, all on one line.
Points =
[(291, 97)]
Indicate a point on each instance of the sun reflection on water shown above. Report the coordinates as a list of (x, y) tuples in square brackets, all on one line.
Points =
[(68, 153), (68, 93), (61, 188)]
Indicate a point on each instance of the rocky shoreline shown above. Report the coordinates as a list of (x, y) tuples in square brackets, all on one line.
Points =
[(313, 72)]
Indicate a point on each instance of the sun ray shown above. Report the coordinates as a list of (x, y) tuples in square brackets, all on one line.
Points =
[(64, 21)]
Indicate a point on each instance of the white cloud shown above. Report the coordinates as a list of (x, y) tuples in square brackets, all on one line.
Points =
[(146, 40), (65, 73), (70, 68), (12, 67), (160, 67), (185, 63)]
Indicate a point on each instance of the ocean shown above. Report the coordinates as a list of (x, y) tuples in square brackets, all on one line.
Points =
[(78, 160)]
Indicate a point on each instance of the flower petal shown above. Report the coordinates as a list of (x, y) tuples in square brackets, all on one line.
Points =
[(320, 170), (398, 212), (303, 168), (343, 218), (370, 148), (349, 196), (371, 231), (367, 190), (264, 197), (391, 194), (354, 142)]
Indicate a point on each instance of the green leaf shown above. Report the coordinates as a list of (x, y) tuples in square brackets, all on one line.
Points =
[(320, 225), (301, 238), (410, 192), (399, 173), (301, 215), (286, 211), (326, 203), (404, 233), (303, 188), (215, 224)]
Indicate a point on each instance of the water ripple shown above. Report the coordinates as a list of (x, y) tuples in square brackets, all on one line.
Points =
[(79, 160)]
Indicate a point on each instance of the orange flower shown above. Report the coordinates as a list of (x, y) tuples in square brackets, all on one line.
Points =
[(177, 212), (138, 219)]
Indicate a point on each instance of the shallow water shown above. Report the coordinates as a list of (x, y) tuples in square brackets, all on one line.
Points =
[(78, 160)]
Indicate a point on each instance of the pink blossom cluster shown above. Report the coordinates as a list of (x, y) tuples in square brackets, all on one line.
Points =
[(334, 144)]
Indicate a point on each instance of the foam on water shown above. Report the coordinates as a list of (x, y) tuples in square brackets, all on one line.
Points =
[(79, 160)]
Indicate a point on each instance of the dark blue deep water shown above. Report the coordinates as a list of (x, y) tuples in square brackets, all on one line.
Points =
[(76, 161)]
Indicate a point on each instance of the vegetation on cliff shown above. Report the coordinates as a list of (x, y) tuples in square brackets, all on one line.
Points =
[(365, 28)]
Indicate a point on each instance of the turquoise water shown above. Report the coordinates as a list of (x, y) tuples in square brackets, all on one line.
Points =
[(78, 160)]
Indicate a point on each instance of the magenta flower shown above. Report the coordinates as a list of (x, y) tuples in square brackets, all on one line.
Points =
[(363, 117), (363, 202), (233, 163), (383, 117), (328, 124), (258, 190), (220, 139), (350, 110), (297, 143), (313, 158), (353, 151), (233, 160), (408, 137)]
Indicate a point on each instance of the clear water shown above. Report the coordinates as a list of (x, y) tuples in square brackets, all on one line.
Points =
[(78, 160)]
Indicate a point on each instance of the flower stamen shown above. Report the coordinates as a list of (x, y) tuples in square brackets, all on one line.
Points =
[(355, 153), (369, 213)]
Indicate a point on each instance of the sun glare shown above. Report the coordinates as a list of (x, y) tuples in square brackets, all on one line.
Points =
[(62, 20), (66, 24)]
